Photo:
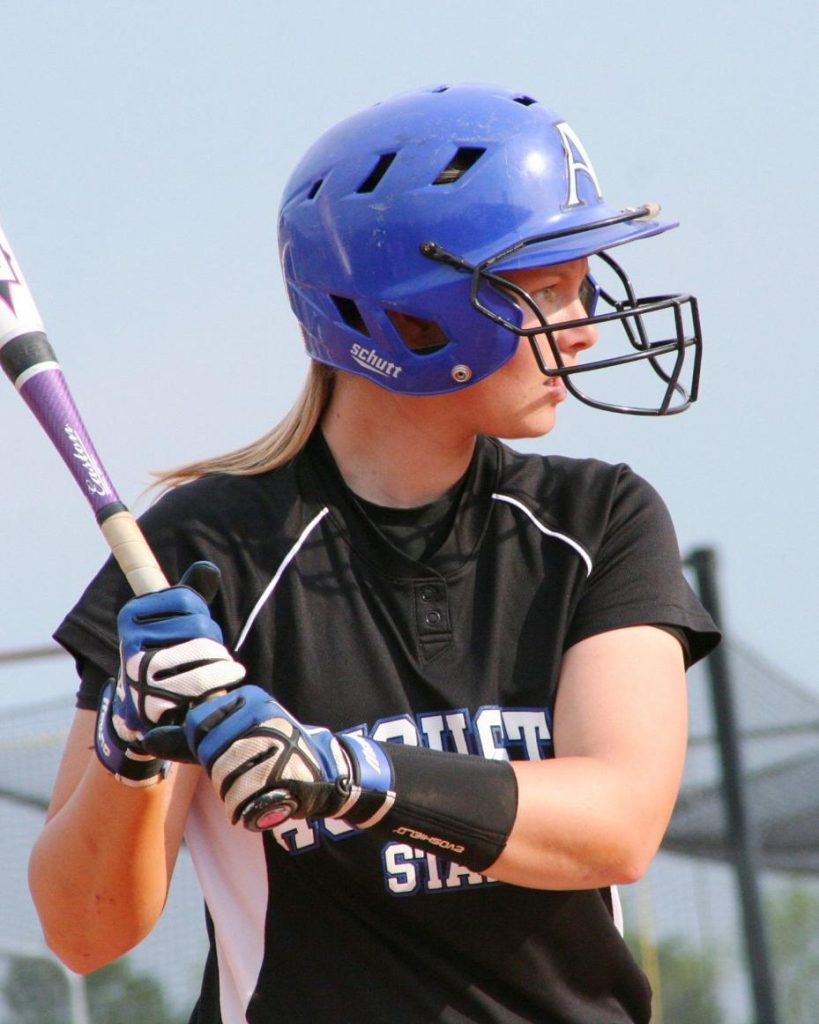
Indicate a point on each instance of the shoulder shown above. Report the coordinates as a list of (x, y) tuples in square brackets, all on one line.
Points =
[(585, 496), (223, 498), (622, 527), (224, 511)]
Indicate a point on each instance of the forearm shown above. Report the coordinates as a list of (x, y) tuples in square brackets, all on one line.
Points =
[(100, 870), (579, 825), (576, 822), (596, 813)]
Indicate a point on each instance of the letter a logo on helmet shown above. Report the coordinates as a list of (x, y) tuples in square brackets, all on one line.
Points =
[(577, 161)]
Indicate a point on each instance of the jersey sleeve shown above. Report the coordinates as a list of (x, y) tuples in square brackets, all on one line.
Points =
[(637, 575)]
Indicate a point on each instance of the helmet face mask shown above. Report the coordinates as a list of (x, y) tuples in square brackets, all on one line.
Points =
[(397, 225), (656, 341)]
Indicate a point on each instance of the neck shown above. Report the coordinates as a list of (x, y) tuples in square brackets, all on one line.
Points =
[(394, 450)]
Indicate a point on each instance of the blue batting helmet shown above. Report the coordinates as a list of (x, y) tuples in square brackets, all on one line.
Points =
[(395, 223)]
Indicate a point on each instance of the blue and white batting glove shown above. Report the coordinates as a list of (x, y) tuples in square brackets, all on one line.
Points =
[(171, 656), (268, 767)]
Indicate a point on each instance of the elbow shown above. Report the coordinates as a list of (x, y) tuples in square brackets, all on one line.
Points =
[(629, 872), (632, 859), (84, 944), (87, 928), (81, 952), (77, 961), (68, 933), (617, 852), (79, 939)]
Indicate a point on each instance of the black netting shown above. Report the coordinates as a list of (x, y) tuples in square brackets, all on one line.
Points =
[(779, 742)]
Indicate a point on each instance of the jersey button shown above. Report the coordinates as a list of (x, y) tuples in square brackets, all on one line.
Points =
[(432, 615)]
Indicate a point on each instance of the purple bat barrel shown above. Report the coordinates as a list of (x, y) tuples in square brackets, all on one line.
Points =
[(31, 365)]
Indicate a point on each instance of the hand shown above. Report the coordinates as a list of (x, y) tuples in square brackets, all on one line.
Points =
[(268, 767), (171, 655)]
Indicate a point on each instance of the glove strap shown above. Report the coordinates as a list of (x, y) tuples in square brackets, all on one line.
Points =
[(372, 790), (126, 765)]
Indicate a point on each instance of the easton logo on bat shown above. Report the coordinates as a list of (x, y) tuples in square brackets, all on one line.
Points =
[(96, 481), (8, 277)]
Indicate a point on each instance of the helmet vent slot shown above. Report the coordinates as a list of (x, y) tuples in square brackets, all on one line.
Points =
[(314, 188), (377, 173), (465, 157), (423, 337), (350, 314), (525, 101)]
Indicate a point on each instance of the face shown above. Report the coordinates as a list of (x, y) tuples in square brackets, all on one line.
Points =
[(518, 400)]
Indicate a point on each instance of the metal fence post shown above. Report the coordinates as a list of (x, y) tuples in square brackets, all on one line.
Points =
[(739, 837)]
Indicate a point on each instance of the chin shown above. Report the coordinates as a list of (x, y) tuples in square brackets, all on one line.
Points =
[(536, 425)]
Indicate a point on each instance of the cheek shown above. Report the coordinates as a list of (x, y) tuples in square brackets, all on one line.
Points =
[(514, 387), (522, 368), (505, 384), (509, 389)]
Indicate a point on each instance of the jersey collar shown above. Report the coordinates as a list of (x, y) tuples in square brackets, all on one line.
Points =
[(322, 484)]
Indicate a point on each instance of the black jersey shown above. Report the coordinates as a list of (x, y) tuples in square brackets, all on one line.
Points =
[(317, 921)]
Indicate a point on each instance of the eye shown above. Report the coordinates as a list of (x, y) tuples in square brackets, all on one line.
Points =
[(543, 296)]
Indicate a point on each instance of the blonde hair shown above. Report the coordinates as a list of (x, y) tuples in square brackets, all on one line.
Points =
[(272, 449)]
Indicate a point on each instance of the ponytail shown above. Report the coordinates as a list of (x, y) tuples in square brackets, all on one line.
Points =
[(274, 448)]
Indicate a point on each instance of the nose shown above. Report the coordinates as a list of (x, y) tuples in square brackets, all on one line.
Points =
[(573, 340)]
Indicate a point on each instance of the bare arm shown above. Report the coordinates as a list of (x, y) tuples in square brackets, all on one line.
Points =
[(596, 813), (100, 870)]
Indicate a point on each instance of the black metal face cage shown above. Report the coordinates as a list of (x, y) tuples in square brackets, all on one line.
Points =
[(630, 311)]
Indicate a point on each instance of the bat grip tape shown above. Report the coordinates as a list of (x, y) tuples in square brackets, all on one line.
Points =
[(132, 553)]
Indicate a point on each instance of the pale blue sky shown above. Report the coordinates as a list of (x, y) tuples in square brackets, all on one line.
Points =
[(145, 146)]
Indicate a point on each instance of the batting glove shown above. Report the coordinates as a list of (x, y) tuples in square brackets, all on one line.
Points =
[(268, 767), (171, 656)]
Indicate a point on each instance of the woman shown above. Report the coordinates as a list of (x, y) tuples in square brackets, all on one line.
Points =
[(420, 594)]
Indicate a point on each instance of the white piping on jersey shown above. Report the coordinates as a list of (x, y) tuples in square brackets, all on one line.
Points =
[(617, 910), (271, 586), (545, 529)]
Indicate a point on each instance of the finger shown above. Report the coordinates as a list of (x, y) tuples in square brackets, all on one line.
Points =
[(169, 743), (190, 668), (170, 603), (204, 578), (168, 680), (143, 632)]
